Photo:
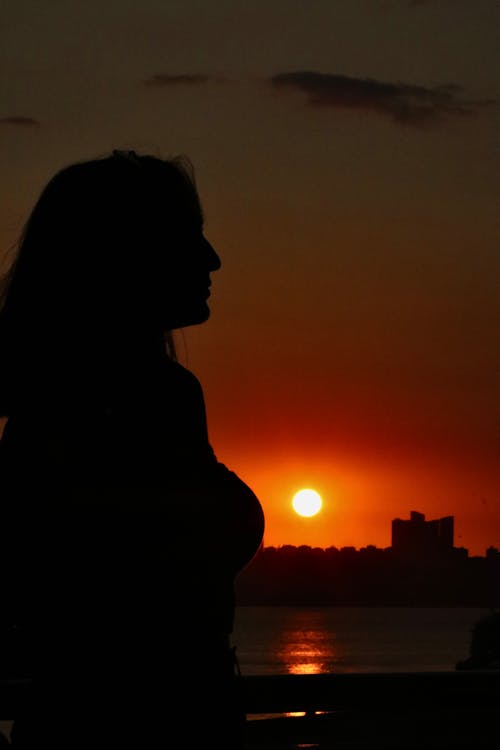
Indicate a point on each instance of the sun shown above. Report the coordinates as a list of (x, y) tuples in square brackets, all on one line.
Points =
[(307, 502)]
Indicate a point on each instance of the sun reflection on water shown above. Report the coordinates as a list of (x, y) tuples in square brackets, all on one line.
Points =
[(309, 651)]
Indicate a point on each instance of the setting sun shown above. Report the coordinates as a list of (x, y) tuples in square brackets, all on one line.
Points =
[(307, 502)]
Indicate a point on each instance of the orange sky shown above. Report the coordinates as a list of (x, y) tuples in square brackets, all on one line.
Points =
[(348, 160)]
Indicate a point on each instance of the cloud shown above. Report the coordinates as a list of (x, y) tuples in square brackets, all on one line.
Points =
[(163, 79), (401, 102), (25, 122)]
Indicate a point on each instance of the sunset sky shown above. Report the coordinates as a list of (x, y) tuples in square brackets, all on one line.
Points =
[(347, 154)]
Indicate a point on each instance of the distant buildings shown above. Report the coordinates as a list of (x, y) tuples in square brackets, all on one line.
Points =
[(422, 568), (418, 539)]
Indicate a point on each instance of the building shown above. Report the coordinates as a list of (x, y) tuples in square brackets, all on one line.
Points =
[(418, 539)]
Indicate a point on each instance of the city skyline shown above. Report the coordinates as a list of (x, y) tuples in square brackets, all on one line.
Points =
[(408, 541)]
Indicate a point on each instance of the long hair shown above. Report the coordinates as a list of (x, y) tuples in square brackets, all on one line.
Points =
[(84, 280)]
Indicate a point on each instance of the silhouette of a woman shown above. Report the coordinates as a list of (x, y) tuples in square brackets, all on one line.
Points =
[(123, 532)]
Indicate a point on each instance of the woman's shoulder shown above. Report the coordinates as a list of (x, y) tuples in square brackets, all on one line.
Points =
[(167, 404), (175, 371), (179, 387)]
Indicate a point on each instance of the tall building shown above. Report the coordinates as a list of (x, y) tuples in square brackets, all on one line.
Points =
[(418, 539)]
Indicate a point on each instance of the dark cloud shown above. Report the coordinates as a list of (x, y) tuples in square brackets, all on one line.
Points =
[(25, 122), (401, 102), (163, 79)]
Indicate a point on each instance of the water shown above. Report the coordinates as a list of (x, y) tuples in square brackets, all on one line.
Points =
[(313, 640)]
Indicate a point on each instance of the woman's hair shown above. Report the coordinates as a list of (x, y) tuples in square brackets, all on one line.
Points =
[(85, 277)]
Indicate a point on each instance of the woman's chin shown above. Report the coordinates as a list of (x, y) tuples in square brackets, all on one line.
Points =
[(192, 317)]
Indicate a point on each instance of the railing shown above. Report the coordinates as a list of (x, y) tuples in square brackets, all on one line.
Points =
[(442, 710), (436, 709), (327, 692)]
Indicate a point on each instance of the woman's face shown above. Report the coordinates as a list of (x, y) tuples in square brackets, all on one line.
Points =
[(187, 277)]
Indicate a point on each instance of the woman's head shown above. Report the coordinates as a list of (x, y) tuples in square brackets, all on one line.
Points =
[(112, 255)]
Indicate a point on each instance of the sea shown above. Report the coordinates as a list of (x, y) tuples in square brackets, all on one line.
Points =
[(315, 640)]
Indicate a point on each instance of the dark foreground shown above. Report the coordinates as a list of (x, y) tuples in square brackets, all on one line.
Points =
[(358, 711), (428, 710)]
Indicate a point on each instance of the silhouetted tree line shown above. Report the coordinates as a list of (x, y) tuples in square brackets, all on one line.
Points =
[(370, 576)]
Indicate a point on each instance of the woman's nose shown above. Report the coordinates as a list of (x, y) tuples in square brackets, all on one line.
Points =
[(214, 262)]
